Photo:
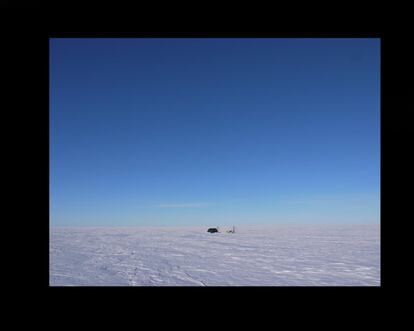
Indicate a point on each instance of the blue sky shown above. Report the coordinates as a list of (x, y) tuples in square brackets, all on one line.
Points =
[(178, 132)]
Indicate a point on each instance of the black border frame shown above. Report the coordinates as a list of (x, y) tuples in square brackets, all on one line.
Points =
[(35, 27)]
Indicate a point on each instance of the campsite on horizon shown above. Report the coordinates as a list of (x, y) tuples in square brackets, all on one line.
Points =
[(214, 162)]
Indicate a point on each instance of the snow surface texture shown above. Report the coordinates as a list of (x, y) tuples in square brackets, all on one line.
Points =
[(267, 256)]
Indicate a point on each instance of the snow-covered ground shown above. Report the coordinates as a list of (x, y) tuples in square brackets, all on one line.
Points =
[(253, 256)]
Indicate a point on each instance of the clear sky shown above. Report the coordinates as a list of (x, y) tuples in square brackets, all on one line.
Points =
[(180, 132)]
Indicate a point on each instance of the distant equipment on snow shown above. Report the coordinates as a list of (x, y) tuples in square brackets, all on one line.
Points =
[(214, 230), (233, 230)]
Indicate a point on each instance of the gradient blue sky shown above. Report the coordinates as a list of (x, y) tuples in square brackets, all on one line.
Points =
[(196, 132)]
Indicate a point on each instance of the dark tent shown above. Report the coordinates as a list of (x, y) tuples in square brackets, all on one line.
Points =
[(212, 230)]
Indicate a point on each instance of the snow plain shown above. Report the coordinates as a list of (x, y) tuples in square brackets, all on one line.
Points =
[(325, 255)]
